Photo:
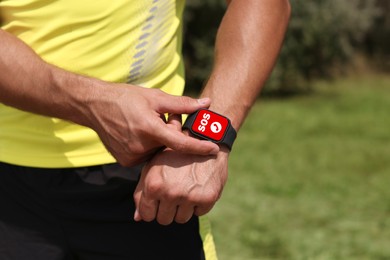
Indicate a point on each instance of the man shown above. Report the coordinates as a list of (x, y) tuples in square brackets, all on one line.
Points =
[(67, 116)]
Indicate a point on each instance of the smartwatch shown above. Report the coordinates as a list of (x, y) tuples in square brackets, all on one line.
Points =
[(211, 126)]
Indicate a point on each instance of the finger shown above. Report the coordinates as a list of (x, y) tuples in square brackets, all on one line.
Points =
[(137, 216), (137, 198), (148, 208), (174, 121), (183, 143), (184, 213), (202, 210), (166, 212), (181, 104)]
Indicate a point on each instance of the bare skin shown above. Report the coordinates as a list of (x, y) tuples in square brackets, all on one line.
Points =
[(174, 186), (188, 176), (30, 84)]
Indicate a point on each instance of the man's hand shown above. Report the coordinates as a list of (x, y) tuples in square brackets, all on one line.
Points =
[(175, 186), (131, 123), (128, 119)]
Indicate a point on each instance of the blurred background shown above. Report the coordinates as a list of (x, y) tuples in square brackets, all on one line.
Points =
[(310, 171)]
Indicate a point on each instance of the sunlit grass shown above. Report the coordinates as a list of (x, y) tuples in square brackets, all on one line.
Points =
[(310, 177)]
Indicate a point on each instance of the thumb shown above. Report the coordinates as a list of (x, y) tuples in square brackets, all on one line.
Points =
[(178, 141), (137, 195), (182, 104)]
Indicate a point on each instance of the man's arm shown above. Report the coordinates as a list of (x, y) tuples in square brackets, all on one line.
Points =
[(127, 118), (248, 42), (175, 186)]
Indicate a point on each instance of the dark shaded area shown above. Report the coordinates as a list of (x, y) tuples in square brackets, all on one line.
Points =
[(325, 39)]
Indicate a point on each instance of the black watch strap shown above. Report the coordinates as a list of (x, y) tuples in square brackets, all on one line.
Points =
[(216, 128)]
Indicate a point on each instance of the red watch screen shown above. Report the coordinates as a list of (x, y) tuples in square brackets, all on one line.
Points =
[(210, 125)]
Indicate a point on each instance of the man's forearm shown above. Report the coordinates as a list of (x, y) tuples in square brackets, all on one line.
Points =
[(248, 43), (29, 83), (112, 110)]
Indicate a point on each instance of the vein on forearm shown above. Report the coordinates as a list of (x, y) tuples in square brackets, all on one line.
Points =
[(29, 83)]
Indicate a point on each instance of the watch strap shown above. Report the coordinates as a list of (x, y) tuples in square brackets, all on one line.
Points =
[(230, 136)]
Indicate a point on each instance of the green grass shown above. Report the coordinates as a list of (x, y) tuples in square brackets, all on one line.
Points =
[(310, 177)]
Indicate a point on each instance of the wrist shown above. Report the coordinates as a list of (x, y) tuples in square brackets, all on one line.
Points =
[(224, 150), (73, 95)]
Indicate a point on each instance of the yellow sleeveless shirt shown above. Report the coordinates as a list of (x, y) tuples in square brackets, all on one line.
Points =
[(138, 42)]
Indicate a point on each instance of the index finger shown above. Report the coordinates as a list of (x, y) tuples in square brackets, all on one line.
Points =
[(178, 141)]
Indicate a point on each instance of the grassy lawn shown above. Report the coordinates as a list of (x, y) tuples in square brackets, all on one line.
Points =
[(310, 177)]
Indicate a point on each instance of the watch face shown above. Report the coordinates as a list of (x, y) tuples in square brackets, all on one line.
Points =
[(210, 125)]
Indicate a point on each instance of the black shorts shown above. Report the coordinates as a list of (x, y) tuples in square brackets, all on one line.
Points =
[(83, 214)]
